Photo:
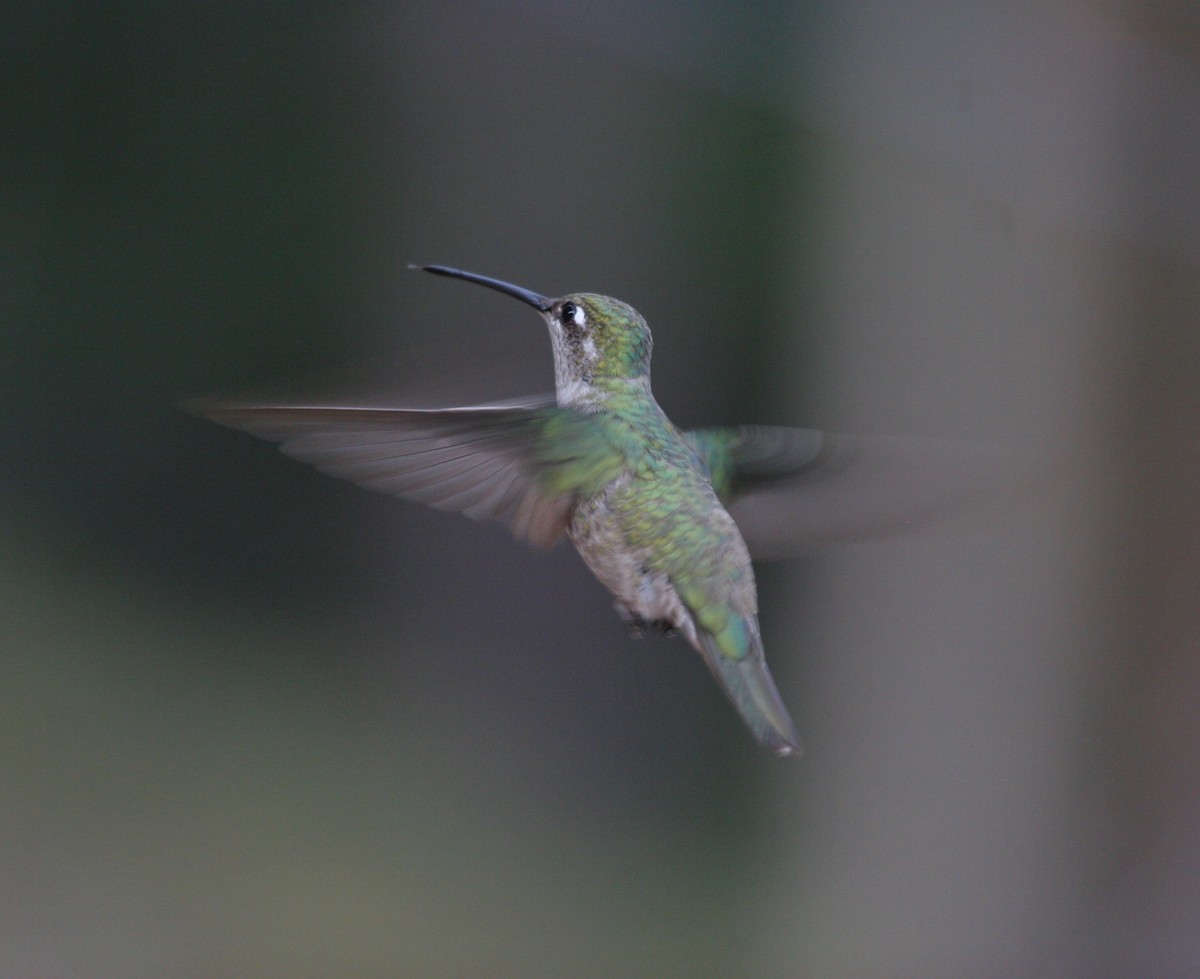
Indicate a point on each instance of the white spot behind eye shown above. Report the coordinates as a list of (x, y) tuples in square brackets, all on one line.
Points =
[(579, 318)]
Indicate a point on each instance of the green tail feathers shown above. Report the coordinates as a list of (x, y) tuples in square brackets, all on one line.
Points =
[(748, 684)]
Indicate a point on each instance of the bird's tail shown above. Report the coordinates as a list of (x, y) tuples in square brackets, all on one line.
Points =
[(748, 684)]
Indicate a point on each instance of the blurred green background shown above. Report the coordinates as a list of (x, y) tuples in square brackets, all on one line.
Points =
[(255, 722)]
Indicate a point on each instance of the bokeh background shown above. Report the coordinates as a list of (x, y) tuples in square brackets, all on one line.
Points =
[(255, 722)]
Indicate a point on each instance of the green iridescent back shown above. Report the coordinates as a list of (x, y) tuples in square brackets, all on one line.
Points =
[(665, 503)]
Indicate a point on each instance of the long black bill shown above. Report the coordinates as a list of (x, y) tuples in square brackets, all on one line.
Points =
[(532, 298)]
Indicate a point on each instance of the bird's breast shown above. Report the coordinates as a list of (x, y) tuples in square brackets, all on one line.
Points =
[(599, 531)]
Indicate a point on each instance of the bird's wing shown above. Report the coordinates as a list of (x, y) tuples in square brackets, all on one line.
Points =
[(519, 463), (740, 457), (792, 489)]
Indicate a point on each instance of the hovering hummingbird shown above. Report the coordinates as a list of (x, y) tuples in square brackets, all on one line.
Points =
[(642, 501)]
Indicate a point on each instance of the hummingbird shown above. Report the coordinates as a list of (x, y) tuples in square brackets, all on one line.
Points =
[(643, 502)]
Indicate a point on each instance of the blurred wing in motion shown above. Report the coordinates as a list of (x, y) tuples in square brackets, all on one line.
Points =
[(500, 461), (793, 489)]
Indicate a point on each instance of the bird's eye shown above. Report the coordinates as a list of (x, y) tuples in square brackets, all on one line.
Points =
[(568, 314)]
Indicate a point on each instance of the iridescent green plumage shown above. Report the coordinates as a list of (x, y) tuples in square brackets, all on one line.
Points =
[(659, 538), (604, 465), (643, 502)]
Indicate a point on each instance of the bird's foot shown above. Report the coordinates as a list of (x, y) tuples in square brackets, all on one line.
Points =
[(636, 627)]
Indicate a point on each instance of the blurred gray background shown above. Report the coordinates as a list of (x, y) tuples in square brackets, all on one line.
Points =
[(255, 722)]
